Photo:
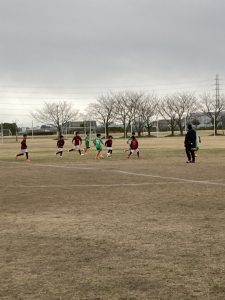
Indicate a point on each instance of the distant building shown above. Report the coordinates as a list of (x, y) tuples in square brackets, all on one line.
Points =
[(47, 128), (205, 121)]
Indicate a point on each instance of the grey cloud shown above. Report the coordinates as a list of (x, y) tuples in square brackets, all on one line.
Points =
[(107, 42)]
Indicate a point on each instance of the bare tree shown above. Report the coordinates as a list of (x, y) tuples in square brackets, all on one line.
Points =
[(150, 110), (213, 107), (139, 116), (55, 114), (166, 110), (184, 103), (144, 112), (126, 105), (104, 110)]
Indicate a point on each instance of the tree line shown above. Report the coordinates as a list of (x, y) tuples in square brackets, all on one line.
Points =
[(136, 110), (141, 110)]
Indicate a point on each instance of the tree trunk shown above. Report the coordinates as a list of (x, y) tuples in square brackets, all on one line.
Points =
[(172, 128), (181, 129), (149, 130), (139, 132), (107, 130), (59, 131), (124, 128)]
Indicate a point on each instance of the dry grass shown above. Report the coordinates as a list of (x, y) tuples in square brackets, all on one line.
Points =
[(75, 228)]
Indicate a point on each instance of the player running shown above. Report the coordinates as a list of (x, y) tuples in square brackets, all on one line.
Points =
[(98, 145), (60, 145), (133, 147), (128, 142), (23, 148), (77, 141), (87, 143), (108, 144)]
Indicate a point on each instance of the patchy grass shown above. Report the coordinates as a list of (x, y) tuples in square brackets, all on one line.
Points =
[(75, 228)]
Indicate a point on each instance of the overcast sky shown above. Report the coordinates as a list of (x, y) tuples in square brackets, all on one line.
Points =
[(79, 49)]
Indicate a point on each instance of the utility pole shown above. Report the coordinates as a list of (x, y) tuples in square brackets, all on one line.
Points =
[(90, 128), (58, 121), (2, 132), (32, 130), (217, 88)]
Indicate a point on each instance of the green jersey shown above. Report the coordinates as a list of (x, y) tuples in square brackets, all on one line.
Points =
[(87, 141), (198, 140), (98, 143)]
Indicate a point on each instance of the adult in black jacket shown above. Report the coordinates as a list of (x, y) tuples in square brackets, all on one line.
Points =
[(190, 144)]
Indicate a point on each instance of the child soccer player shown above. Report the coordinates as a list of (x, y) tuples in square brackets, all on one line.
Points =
[(87, 143), (133, 147), (108, 144), (77, 141), (23, 148), (198, 141), (60, 145), (98, 144), (129, 140)]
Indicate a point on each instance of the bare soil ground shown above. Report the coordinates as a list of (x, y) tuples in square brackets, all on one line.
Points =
[(75, 228)]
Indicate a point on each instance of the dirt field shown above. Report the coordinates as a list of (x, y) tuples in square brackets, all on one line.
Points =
[(75, 228)]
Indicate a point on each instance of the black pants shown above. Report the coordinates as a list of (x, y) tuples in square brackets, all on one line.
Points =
[(190, 154)]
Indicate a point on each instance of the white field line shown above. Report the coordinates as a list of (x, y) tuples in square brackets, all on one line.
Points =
[(184, 180), (215, 180), (28, 164), (64, 166), (87, 185), (206, 182)]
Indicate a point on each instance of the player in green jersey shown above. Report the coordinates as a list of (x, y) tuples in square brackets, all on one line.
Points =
[(87, 143), (98, 145), (198, 142)]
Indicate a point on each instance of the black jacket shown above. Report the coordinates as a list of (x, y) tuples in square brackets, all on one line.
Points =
[(190, 139)]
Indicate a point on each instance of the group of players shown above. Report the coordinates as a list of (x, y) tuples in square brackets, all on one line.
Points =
[(77, 144), (191, 144)]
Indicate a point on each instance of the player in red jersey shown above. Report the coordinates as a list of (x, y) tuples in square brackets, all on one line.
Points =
[(77, 141), (108, 144), (133, 147), (60, 145), (23, 148)]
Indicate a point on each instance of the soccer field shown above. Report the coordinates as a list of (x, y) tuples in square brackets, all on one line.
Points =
[(75, 228)]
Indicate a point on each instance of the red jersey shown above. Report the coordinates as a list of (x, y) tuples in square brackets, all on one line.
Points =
[(24, 144), (133, 144), (77, 140), (60, 143), (108, 143)]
